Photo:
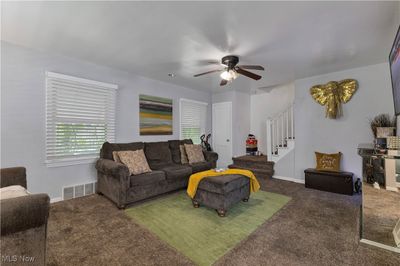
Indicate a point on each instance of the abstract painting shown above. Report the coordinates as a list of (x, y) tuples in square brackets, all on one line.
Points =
[(155, 115)]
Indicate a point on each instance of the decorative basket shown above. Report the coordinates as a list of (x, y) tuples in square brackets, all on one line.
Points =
[(393, 143)]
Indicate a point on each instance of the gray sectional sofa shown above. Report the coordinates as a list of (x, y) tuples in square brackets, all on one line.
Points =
[(167, 174)]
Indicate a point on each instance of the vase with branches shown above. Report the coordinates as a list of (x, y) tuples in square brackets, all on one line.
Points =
[(380, 121)]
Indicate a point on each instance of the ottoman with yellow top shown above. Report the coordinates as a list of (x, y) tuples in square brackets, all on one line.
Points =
[(221, 191)]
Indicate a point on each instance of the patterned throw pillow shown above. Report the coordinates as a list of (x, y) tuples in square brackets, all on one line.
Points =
[(116, 157), (135, 161), (328, 162), (184, 158), (194, 153)]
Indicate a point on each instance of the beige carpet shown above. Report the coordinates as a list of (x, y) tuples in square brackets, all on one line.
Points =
[(314, 228)]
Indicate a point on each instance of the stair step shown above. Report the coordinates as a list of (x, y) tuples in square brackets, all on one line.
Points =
[(257, 171), (265, 165), (257, 162)]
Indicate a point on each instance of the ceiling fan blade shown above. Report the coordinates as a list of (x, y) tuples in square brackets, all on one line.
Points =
[(223, 82), (206, 62), (255, 67), (247, 73), (208, 72), (214, 62)]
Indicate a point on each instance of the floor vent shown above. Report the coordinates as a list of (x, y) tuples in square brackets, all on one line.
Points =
[(77, 191)]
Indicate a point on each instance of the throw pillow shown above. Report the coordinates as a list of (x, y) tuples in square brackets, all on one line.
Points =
[(328, 162), (184, 158), (135, 161), (13, 192), (194, 153), (116, 157)]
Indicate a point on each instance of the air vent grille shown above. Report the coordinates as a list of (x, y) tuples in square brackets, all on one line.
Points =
[(89, 189), (68, 193), (80, 190)]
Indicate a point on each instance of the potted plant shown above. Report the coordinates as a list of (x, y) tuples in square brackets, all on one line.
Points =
[(383, 126)]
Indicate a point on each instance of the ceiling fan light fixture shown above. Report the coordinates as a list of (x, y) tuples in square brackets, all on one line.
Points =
[(229, 75)]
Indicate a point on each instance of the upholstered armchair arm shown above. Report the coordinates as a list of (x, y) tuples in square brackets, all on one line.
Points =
[(112, 168), (22, 213), (113, 181), (210, 156), (13, 176)]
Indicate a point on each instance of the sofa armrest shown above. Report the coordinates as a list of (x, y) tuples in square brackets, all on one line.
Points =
[(13, 176), (22, 213), (210, 156), (112, 168)]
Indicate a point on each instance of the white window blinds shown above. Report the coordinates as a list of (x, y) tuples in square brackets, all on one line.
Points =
[(193, 116), (80, 117)]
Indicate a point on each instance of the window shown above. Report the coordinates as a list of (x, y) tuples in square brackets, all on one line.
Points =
[(192, 119), (80, 117)]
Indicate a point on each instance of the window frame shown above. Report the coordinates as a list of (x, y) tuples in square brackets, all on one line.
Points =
[(75, 159), (180, 114)]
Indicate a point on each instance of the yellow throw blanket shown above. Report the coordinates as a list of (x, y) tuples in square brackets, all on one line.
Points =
[(195, 179)]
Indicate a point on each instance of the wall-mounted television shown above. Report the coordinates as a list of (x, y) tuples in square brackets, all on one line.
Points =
[(394, 62)]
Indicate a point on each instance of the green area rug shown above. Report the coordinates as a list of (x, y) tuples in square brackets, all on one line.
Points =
[(201, 234)]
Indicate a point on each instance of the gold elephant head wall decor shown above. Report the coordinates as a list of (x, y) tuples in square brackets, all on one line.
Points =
[(333, 94)]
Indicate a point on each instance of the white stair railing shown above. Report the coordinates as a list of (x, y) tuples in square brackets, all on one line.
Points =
[(280, 129)]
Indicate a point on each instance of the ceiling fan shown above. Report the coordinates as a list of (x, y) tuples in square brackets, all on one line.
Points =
[(231, 70)]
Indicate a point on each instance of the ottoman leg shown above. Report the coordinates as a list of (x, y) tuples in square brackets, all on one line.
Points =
[(195, 204), (246, 199), (221, 212)]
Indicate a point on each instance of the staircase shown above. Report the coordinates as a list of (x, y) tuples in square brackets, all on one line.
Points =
[(280, 135), (259, 165)]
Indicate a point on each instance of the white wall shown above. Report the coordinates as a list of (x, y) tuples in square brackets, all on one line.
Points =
[(23, 112), (398, 18), (314, 132), (266, 104), (285, 166), (240, 118)]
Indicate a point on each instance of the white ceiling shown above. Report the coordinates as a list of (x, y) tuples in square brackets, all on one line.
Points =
[(291, 39)]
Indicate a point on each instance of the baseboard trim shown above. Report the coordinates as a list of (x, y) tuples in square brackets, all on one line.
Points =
[(291, 179), (54, 200), (379, 245), (394, 189)]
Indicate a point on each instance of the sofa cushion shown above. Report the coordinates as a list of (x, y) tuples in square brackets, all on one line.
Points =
[(159, 166), (176, 171), (108, 148), (175, 151), (157, 152), (202, 166), (135, 161), (147, 178), (223, 184), (194, 153)]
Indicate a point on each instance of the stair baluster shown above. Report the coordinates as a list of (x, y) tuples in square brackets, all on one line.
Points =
[(280, 130)]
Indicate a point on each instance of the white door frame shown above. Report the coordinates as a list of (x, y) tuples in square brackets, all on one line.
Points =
[(229, 104)]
